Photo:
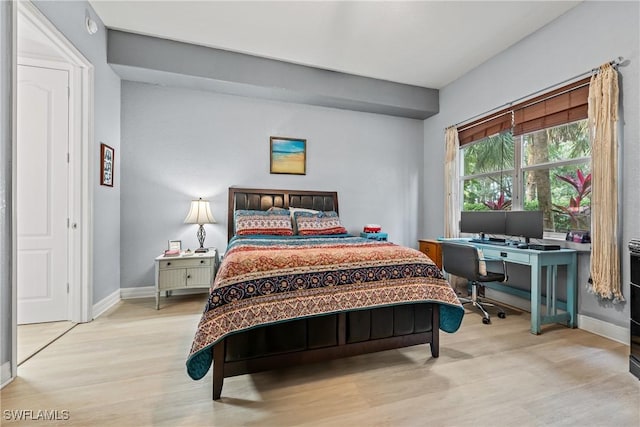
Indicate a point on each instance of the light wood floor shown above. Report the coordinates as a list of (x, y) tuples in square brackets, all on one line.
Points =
[(34, 337), (127, 368)]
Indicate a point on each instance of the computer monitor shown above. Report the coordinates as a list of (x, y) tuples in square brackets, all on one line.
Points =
[(527, 224), (489, 222)]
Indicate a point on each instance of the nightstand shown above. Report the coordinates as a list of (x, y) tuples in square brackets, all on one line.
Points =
[(375, 236), (185, 272), (431, 248)]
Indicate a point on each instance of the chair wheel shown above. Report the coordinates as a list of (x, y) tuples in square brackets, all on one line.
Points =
[(502, 315), (486, 321)]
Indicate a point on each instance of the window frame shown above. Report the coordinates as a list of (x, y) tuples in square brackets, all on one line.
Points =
[(558, 107), (517, 173)]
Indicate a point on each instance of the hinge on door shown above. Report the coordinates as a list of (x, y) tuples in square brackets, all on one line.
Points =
[(68, 222), (67, 288), (68, 92), (68, 158)]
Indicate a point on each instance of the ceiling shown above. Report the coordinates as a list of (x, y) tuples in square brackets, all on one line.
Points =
[(422, 43)]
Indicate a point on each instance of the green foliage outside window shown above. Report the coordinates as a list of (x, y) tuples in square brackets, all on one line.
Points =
[(553, 171)]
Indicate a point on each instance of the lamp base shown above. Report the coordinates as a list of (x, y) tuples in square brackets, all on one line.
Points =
[(201, 235)]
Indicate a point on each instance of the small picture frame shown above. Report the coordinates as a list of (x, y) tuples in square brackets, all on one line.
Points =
[(175, 245), (288, 155), (107, 162)]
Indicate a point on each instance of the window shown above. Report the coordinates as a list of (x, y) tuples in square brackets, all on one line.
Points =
[(535, 155), (546, 170), (556, 176), (487, 173)]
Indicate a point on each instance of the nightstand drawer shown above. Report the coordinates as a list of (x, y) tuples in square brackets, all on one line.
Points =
[(185, 263)]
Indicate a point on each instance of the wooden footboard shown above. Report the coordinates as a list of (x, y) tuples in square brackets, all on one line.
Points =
[(223, 368)]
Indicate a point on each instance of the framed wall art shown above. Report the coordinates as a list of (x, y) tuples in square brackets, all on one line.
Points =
[(288, 155), (174, 245), (107, 162)]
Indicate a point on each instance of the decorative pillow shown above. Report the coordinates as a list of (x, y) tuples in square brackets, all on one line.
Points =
[(274, 222), (293, 212), (278, 209), (309, 223)]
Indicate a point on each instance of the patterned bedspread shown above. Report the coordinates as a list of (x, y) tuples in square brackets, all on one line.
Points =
[(270, 279)]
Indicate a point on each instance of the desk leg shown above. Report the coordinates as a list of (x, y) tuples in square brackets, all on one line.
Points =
[(536, 296), (550, 301), (552, 277), (572, 291)]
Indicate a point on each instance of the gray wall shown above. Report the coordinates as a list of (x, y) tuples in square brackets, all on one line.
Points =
[(178, 144), (148, 59), (69, 18), (583, 38), (6, 136)]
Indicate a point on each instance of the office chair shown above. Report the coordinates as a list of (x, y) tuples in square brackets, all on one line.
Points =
[(462, 260)]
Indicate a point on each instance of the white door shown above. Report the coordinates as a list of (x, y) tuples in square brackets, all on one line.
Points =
[(42, 194)]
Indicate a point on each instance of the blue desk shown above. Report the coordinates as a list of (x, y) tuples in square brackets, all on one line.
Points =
[(537, 260)]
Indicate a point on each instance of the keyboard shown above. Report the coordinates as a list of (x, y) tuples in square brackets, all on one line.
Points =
[(489, 242), (544, 247)]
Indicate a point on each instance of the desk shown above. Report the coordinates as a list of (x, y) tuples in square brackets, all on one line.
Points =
[(536, 260)]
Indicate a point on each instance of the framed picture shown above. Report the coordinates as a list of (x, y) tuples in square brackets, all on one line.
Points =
[(106, 165), (288, 155), (175, 245)]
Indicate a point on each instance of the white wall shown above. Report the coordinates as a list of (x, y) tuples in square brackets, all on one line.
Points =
[(583, 38), (179, 144), (69, 18), (6, 139)]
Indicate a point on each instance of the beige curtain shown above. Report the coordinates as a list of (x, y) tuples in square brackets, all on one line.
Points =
[(451, 199), (451, 184), (603, 118)]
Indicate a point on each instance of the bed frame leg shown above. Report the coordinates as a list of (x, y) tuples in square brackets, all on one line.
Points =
[(435, 330), (218, 369)]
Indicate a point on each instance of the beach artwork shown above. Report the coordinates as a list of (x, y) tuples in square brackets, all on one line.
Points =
[(288, 155)]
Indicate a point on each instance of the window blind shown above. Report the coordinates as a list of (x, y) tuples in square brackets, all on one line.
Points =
[(560, 106), (484, 127)]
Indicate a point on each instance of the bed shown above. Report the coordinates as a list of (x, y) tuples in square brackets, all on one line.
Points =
[(283, 297)]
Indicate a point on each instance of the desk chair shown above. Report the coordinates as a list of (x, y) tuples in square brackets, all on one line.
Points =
[(464, 261)]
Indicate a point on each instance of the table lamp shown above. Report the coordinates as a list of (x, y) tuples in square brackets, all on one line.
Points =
[(200, 213)]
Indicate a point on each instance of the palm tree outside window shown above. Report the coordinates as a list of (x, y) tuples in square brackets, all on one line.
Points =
[(547, 170)]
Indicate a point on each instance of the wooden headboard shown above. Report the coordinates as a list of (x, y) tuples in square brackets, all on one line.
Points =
[(262, 200)]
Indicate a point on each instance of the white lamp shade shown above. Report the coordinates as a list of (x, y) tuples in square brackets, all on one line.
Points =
[(199, 213)]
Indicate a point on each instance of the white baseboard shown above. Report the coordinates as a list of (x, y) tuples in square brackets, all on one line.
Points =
[(138, 292), (604, 329), (106, 303), (595, 326), (5, 374), (150, 292)]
